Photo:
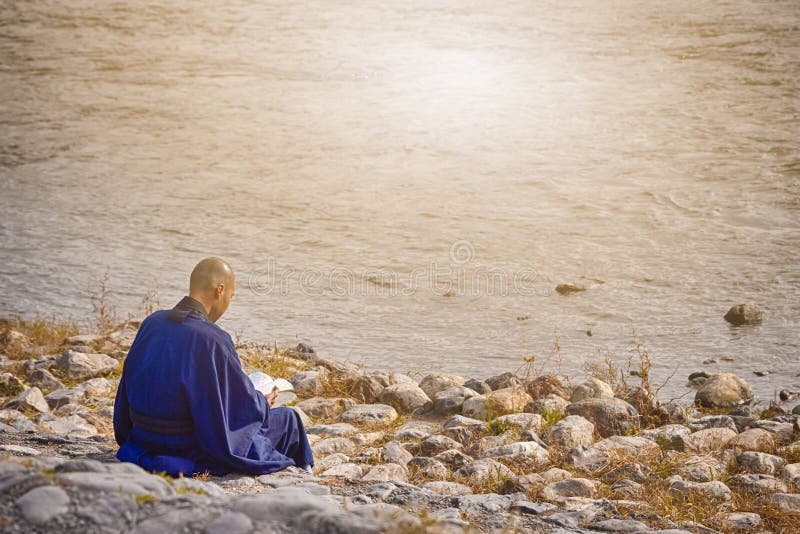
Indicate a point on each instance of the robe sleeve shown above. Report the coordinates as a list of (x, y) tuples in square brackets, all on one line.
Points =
[(228, 412), (122, 416)]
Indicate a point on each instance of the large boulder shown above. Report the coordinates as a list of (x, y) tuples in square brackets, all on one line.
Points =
[(723, 391), (433, 384), (611, 416), (83, 366), (405, 398), (742, 314)]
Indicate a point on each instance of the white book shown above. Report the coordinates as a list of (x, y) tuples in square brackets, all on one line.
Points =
[(265, 383)]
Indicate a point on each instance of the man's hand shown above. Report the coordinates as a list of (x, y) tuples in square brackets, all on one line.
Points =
[(272, 396)]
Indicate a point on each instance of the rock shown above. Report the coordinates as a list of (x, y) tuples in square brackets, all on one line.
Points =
[(336, 430), (333, 445), (786, 502), (442, 487), (723, 391), (759, 483), (566, 289), (17, 420), (82, 366), (592, 388), (369, 414), (460, 420), (20, 450), (428, 468), (230, 523), (572, 487), (709, 440), (792, 473), (548, 405), (116, 482), (611, 416), (782, 432), (714, 490), (628, 446), (478, 386), (571, 431), (332, 460), (544, 385), (485, 471), (701, 468), (433, 384), (754, 439), (759, 462), (454, 459), (698, 378), (83, 339), (740, 520), (308, 383), (30, 398), (522, 452), (521, 421), (394, 452), (742, 314), (499, 402), (41, 504), (72, 426), (528, 484), (99, 387), (386, 472), (44, 379), (620, 525), (588, 459), (366, 389), (414, 430), (349, 471), (668, 437), (713, 421), (405, 398), (460, 434), (503, 381), (65, 396), (10, 385), (483, 504), (325, 408), (437, 443), (450, 401)]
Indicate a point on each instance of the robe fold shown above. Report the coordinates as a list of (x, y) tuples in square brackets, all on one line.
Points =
[(184, 404)]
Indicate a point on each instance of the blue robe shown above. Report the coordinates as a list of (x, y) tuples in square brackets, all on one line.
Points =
[(184, 405)]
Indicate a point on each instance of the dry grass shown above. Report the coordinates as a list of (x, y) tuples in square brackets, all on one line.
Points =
[(276, 362), (46, 334)]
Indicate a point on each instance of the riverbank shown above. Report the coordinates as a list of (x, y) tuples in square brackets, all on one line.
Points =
[(510, 452)]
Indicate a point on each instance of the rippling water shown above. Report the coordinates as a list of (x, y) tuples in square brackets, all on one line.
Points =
[(363, 166)]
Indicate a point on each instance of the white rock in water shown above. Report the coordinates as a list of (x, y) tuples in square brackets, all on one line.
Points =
[(723, 391)]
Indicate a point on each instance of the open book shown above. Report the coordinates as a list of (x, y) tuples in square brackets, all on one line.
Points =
[(265, 383)]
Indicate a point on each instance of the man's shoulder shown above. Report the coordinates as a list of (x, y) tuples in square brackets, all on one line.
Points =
[(192, 326)]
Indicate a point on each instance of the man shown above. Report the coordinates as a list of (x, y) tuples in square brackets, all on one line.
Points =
[(184, 405)]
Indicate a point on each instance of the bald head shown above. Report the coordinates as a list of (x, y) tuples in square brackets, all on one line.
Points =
[(212, 284)]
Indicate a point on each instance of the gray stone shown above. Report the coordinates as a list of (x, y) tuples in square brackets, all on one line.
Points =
[(792, 473), (620, 525), (394, 452), (366, 389), (758, 482), (61, 397), (753, 439), (442, 487), (414, 430), (503, 381), (82, 366), (787, 502), (479, 386), (284, 506), (485, 471), (572, 487), (571, 431), (460, 420), (438, 443), (454, 459), (44, 379), (709, 440), (611, 416), (369, 414), (428, 468), (723, 391), (528, 452), (349, 471), (434, 383), (72, 426), (588, 458), (740, 520), (230, 523), (548, 405), (325, 408), (521, 421), (668, 437), (483, 504), (30, 398), (742, 314), (405, 398), (99, 387), (496, 403), (41, 504), (451, 401), (760, 462), (333, 445), (714, 490), (713, 421), (107, 510), (323, 464), (701, 468), (132, 484), (19, 449), (386, 472), (337, 430), (176, 520), (593, 388)]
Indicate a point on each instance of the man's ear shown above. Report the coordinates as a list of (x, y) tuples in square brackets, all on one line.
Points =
[(219, 290)]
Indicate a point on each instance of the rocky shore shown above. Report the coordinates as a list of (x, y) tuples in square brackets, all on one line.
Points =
[(445, 453)]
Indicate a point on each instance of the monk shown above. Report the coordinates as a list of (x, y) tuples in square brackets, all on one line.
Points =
[(184, 405)]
